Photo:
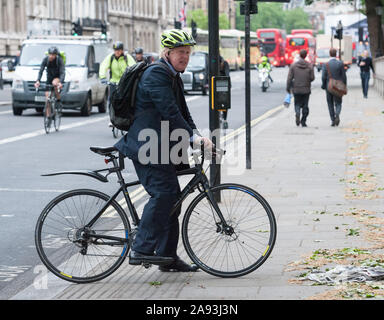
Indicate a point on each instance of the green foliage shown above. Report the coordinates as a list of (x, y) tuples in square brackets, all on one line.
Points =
[(271, 15), (201, 19)]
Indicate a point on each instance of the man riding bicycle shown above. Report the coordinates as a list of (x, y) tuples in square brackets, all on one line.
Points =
[(55, 74), (116, 63)]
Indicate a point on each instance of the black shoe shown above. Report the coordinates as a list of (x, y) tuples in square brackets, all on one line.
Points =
[(297, 120), (138, 259), (304, 125), (179, 266), (337, 120)]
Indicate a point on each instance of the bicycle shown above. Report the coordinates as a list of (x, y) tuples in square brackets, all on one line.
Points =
[(55, 107), (84, 236)]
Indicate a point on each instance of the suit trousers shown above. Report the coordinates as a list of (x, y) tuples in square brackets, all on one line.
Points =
[(334, 105), (158, 231), (301, 104)]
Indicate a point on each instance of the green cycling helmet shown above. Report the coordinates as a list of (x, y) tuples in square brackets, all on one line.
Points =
[(176, 38), (264, 59)]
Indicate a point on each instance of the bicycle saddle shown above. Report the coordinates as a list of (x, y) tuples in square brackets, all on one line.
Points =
[(104, 151)]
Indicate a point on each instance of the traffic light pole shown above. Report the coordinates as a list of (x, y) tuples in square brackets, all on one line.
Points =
[(248, 85), (214, 123)]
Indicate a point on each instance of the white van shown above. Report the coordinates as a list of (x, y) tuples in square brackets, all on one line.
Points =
[(82, 88)]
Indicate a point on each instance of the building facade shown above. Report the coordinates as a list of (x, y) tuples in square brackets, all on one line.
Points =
[(138, 23)]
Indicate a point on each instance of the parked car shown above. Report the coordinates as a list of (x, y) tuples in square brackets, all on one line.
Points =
[(82, 88), (196, 77), (8, 70)]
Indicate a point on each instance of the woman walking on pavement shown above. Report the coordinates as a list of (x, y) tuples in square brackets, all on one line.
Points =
[(365, 64)]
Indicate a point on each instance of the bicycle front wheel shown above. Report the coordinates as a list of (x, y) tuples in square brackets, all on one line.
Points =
[(47, 119), (75, 252), (57, 118), (238, 246)]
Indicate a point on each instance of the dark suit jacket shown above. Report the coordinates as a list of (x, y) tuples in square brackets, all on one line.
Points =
[(337, 70), (159, 97)]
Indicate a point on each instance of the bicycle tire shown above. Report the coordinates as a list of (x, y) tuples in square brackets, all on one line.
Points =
[(223, 254), (47, 120), (60, 232), (57, 118)]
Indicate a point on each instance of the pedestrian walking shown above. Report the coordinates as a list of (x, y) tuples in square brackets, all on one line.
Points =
[(299, 81), (160, 103), (335, 69), (365, 64)]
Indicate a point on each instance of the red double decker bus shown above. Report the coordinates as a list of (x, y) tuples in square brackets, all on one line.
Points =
[(297, 42), (273, 45)]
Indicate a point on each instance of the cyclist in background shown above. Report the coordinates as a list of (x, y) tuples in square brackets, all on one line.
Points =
[(55, 73), (116, 63), (224, 71)]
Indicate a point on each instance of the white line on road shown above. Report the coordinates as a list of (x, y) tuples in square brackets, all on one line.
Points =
[(5, 112), (42, 132), (31, 190)]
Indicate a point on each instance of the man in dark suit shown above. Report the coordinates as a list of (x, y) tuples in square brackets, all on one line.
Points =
[(161, 111), (337, 71)]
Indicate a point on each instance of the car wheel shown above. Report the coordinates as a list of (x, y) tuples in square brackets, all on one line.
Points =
[(87, 107), (103, 106), (39, 109), (17, 111)]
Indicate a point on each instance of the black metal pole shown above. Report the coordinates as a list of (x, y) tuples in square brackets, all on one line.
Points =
[(248, 85), (214, 123)]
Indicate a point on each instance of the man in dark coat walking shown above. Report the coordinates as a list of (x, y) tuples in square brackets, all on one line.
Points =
[(299, 80), (337, 71), (365, 64)]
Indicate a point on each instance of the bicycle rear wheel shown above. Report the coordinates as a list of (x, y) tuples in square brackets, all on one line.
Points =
[(76, 253), (240, 248)]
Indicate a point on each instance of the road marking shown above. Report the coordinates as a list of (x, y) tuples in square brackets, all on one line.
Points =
[(31, 190), (5, 112), (42, 132)]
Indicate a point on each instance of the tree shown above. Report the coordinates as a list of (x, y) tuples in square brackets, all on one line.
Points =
[(296, 19), (201, 19), (272, 15), (375, 25)]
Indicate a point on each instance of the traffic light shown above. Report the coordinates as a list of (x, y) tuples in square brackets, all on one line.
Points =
[(177, 24), (194, 29), (253, 9), (77, 29), (339, 31), (104, 29), (361, 34)]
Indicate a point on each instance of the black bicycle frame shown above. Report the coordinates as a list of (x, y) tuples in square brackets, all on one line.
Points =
[(199, 179)]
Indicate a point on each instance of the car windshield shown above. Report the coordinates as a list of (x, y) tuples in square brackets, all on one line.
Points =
[(323, 53), (33, 54), (197, 60)]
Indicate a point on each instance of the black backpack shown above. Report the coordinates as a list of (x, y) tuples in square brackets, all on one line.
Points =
[(123, 99)]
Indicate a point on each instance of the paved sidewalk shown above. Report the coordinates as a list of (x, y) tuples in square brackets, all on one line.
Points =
[(322, 183)]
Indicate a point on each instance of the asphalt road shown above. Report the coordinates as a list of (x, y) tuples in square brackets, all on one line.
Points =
[(26, 152)]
